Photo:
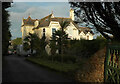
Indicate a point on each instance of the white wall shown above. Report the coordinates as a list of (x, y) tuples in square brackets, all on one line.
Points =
[(72, 31), (90, 36), (36, 23), (26, 30)]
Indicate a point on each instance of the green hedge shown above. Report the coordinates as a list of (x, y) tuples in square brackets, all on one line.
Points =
[(86, 48), (77, 49)]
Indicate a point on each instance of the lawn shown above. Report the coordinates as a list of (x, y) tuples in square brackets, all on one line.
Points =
[(57, 66)]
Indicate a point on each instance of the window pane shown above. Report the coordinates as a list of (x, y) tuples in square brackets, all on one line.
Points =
[(53, 30)]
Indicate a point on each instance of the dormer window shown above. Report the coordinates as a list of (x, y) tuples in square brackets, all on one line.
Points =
[(46, 19)]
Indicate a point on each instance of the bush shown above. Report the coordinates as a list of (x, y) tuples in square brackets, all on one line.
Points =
[(77, 49), (86, 48)]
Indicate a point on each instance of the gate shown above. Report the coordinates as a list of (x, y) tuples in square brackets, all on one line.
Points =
[(112, 64)]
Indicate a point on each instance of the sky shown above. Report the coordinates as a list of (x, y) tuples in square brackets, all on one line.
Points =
[(36, 10)]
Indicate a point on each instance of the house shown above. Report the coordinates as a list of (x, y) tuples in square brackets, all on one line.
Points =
[(49, 24)]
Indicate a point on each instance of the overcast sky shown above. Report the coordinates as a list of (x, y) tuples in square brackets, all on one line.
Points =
[(37, 10)]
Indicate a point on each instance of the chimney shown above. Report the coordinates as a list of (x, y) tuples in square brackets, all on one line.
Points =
[(72, 14)]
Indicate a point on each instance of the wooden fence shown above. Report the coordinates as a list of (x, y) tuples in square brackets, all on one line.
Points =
[(112, 64)]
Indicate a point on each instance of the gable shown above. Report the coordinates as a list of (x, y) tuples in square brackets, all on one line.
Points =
[(54, 24), (71, 26), (49, 21), (28, 21)]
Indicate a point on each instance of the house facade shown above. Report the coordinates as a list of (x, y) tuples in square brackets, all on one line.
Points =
[(49, 24)]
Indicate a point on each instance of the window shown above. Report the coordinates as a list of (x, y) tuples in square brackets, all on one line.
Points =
[(44, 32), (53, 30), (87, 37)]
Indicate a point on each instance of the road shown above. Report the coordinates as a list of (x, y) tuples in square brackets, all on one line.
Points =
[(17, 69)]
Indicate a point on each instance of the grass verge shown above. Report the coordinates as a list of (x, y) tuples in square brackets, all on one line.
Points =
[(68, 69)]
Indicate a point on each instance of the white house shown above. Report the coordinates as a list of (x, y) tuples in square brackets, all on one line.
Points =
[(50, 24)]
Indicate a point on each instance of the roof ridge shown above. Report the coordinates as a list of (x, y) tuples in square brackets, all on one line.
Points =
[(30, 18), (45, 17), (62, 17)]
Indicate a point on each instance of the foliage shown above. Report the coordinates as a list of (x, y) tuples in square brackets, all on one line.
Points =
[(53, 47), (59, 40), (42, 45), (26, 46), (86, 48), (6, 35), (77, 49), (26, 43), (104, 16), (16, 42), (100, 37), (33, 42)]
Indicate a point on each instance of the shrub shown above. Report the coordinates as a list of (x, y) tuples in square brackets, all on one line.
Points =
[(86, 48), (77, 49)]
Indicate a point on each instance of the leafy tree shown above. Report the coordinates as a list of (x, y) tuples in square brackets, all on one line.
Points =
[(61, 34), (100, 37), (61, 38), (33, 42), (16, 42), (53, 46), (29, 42), (6, 35), (43, 43), (26, 43), (105, 16), (26, 46)]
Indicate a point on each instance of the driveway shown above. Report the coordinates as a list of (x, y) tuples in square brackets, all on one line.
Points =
[(17, 69)]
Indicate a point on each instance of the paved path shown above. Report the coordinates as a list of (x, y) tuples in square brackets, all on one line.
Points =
[(17, 69)]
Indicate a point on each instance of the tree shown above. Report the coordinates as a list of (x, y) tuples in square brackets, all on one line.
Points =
[(29, 42), (16, 42), (33, 42), (62, 34), (6, 35), (53, 46), (61, 38), (26, 43), (100, 37), (105, 16)]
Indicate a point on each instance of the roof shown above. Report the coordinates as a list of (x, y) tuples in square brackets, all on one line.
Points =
[(85, 30), (29, 21), (44, 22)]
